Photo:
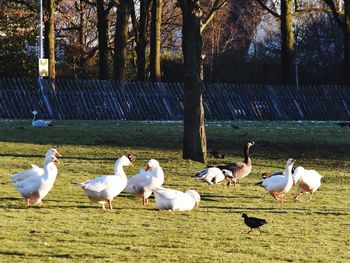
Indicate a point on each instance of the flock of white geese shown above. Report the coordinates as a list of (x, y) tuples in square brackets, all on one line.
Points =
[(35, 183)]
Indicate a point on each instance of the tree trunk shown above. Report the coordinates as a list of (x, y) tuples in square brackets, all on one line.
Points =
[(194, 141), (120, 41), (82, 36), (102, 25), (52, 60), (156, 21), (49, 39), (346, 32), (287, 46), (141, 42)]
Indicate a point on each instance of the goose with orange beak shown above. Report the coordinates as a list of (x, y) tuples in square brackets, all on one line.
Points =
[(36, 187)]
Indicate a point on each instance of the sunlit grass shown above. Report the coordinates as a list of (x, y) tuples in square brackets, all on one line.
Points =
[(71, 228)]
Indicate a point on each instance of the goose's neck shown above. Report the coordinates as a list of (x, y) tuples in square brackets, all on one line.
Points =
[(118, 169), (288, 173), (50, 170), (34, 117), (247, 159)]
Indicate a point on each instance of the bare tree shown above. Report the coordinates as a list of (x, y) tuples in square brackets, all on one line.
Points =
[(343, 21), (156, 21), (194, 141), (120, 40)]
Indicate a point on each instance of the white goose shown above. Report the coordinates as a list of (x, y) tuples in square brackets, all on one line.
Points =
[(142, 183), (103, 189), (36, 187), (35, 170), (213, 175), (307, 180), (279, 185), (39, 123), (169, 199)]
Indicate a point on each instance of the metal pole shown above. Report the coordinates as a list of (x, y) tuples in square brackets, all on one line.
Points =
[(41, 55)]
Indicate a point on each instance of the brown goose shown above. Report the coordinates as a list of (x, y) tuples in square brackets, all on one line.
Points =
[(239, 170)]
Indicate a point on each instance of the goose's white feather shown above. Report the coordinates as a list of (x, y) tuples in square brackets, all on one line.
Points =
[(39, 123), (307, 180), (35, 170), (169, 199), (36, 187), (211, 175), (280, 184), (142, 183), (106, 187)]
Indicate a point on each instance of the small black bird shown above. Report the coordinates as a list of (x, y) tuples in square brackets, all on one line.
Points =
[(253, 222)]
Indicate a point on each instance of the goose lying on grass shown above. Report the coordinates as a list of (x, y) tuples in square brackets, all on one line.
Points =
[(39, 123), (142, 183), (213, 175), (239, 170), (279, 185), (103, 189), (35, 187), (307, 180), (169, 199), (35, 170)]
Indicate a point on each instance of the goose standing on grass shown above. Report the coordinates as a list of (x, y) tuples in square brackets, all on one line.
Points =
[(239, 170), (39, 123), (213, 175), (35, 170), (103, 189), (174, 200), (141, 184), (36, 187), (279, 185), (307, 180)]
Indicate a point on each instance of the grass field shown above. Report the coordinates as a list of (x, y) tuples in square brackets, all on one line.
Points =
[(72, 229)]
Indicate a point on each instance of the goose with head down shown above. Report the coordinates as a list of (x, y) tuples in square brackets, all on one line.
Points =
[(35, 170), (141, 184), (308, 181), (174, 200), (103, 189), (36, 187), (239, 170), (279, 185), (213, 175)]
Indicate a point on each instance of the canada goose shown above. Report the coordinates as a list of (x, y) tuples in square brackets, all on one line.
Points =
[(239, 170)]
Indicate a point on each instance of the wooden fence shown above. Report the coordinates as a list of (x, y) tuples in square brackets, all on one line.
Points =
[(109, 100)]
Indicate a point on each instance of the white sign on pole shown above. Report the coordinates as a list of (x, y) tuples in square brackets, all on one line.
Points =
[(43, 67)]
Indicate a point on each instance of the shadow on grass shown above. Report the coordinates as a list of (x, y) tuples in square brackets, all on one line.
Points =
[(12, 253)]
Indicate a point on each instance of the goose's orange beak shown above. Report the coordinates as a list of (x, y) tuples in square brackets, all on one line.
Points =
[(57, 154), (57, 161)]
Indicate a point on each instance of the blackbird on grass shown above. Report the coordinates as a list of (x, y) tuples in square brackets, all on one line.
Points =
[(253, 222)]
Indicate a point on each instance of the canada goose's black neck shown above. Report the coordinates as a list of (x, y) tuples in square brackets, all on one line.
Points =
[(247, 159)]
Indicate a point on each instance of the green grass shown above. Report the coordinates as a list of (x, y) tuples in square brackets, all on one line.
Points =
[(72, 229)]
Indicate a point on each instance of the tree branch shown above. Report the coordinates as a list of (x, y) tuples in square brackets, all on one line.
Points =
[(215, 8), (275, 14), (335, 13)]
